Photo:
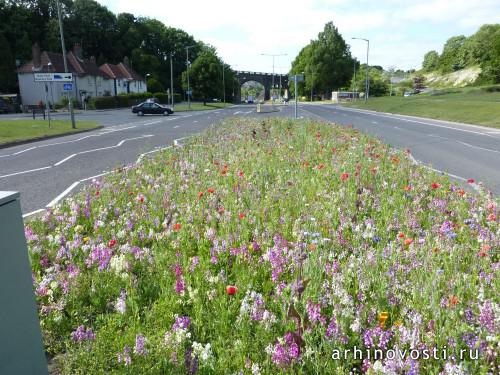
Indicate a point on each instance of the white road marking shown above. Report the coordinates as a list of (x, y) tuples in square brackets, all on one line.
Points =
[(176, 126), (195, 121), (374, 122), (76, 183), (65, 159), (480, 148), (33, 213), (23, 172), (235, 113), (63, 194), (20, 152)]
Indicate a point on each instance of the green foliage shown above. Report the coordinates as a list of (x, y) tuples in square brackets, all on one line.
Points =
[(326, 62), (482, 48), (154, 85), (120, 101), (431, 61), (205, 75)]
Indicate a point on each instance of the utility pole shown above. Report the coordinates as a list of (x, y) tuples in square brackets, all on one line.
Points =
[(70, 103), (223, 84)]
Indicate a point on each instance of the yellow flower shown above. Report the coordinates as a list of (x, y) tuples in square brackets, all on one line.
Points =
[(85, 239), (382, 317)]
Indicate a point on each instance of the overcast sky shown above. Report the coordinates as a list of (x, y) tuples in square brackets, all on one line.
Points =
[(400, 31)]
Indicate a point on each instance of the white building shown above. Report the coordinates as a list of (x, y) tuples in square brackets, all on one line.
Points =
[(88, 79)]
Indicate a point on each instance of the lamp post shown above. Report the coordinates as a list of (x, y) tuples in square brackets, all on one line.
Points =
[(273, 55), (147, 76), (70, 103), (188, 64), (51, 90), (367, 82), (223, 83)]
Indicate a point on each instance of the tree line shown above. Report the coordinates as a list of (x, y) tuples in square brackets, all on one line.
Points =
[(459, 52), (146, 42)]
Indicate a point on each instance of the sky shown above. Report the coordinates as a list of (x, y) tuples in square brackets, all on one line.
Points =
[(400, 32)]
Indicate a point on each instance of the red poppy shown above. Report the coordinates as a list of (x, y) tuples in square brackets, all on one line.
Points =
[(241, 173), (401, 235), (220, 210), (97, 193), (177, 226), (408, 187), (231, 290), (200, 194), (241, 215), (471, 181), (492, 217), (452, 300), (320, 166), (111, 243), (305, 164), (211, 190), (435, 185), (344, 176), (484, 251), (408, 241)]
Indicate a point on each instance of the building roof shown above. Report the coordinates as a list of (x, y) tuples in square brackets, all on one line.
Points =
[(121, 71), (78, 66)]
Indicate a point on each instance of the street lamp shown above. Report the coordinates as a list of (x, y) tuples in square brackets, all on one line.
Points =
[(59, 16), (147, 76), (273, 55), (49, 65), (188, 64), (367, 82)]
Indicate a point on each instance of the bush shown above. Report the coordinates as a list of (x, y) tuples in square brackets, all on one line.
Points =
[(162, 97)]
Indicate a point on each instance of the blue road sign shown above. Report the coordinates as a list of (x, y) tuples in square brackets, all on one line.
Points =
[(68, 86)]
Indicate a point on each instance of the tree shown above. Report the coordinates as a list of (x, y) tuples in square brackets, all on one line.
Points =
[(326, 61), (431, 61), (205, 75), (452, 57)]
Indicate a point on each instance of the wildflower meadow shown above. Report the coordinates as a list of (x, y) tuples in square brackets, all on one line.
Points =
[(270, 246)]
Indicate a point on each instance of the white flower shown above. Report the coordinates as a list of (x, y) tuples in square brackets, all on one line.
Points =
[(255, 369)]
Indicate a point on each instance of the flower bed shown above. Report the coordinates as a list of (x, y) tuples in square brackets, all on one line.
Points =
[(270, 247)]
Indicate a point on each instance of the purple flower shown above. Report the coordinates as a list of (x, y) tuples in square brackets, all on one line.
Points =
[(377, 337), (125, 356), (139, 347), (82, 334), (314, 312), (487, 317), (181, 322), (285, 351), (100, 255)]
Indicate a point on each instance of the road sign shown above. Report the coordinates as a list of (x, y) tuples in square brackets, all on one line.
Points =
[(189, 92), (53, 77), (67, 86)]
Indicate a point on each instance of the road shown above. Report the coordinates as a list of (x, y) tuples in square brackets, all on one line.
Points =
[(46, 171)]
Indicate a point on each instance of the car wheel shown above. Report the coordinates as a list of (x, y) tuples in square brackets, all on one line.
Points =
[(166, 113), (140, 113)]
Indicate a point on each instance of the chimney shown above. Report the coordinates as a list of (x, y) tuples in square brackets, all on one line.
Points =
[(37, 56), (77, 50)]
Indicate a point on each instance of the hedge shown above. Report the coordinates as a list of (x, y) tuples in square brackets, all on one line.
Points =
[(127, 100)]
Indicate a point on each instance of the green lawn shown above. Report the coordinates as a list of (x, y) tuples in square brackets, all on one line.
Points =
[(21, 130), (200, 107), (469, 105)]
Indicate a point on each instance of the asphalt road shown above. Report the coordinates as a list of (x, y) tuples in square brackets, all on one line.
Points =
[(46, 171)]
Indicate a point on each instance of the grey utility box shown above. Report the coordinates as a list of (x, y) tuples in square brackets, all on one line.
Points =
[(21, 348)]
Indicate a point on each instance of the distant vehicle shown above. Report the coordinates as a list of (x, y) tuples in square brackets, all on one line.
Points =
[(148, 108), (406, 94), (249, 99)]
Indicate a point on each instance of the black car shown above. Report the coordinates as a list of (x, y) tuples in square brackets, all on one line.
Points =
[(149, 108)]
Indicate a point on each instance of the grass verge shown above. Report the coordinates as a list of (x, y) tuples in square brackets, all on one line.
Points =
[(267, 247), (24, 130), (200, 107), (472, 106)]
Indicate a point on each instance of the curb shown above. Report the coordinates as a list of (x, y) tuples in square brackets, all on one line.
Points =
[(31, 140)]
